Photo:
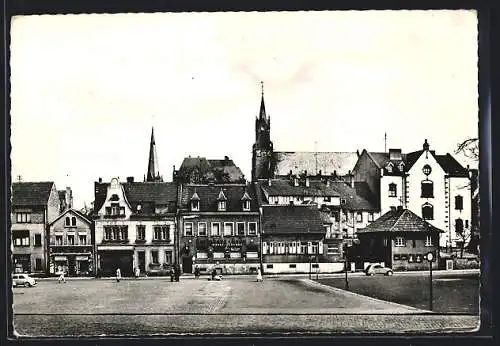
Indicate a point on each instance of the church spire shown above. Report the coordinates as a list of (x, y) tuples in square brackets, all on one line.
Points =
[(262, 113), (153, 172)]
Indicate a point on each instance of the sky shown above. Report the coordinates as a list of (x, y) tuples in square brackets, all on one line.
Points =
[(86, 89)]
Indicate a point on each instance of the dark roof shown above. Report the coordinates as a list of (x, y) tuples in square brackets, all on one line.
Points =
[(451, 166), (282, 187), (383, 160), (358, 197), (201, 170), (209, 193), (292, 220), (313, 162), (399, 220), (31, 193)]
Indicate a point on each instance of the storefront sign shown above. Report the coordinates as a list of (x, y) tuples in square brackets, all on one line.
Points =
[(60, 258), (82, 258)]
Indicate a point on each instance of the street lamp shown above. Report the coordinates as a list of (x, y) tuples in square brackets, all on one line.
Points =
[(430, 259), (345, 267)]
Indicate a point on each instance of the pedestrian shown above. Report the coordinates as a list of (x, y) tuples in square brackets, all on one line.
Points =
[(172, 274), (214, 272), (137, 272), (61, 277), (118, 275), (196, 271), (259, 275), (177, 272)]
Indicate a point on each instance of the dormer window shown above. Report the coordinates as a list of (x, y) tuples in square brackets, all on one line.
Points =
[(246, 205), (195, 205), (221, 201), (222, 205), (389, 167), (245, 201), (401, 167)]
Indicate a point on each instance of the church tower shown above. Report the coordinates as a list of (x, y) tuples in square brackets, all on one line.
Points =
[(153, 171), (263, 147)]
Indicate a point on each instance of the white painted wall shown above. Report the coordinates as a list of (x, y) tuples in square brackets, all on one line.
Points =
[(459, 186), (387, 202)]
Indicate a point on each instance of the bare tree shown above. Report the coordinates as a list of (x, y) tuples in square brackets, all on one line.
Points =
[(469, 148)]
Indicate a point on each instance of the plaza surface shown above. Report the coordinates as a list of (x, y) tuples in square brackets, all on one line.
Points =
[(242, 306)]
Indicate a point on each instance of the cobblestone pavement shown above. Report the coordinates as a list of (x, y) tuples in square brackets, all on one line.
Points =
[(132, 307)]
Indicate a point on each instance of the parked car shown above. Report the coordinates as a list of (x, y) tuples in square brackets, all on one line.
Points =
[(373, 269), (23, 280)]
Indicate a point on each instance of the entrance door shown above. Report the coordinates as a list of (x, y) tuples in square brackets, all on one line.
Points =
[(142, 261), (187, 264), (71, 266)]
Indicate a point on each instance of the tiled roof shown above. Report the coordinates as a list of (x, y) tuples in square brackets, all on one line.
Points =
[(400, 220), (31, 193), (282, 187), (209, 194), (383, 159), (201, 170), (451, 166), (151, 193), (312, 162), (355, 197), (292, 220)]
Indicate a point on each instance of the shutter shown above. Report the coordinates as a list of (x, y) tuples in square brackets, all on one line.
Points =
[(264, 247), (320, 247), (309, 247), (271, 248)]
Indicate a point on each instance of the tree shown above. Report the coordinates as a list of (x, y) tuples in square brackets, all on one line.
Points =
[(469, 148)]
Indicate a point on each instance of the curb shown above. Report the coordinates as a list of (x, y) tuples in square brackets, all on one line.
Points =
[(341, 291)]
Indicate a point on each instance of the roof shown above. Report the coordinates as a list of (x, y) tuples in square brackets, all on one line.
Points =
[(209, 193), (74, 211), (383, 159), (201, 170), (399, 220), (358, 197), (292, 220), (31, 193), (282, 187), (313, 162), (451, 166)]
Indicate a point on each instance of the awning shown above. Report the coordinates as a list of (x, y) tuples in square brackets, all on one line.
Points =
[(115, 248), (60, 258)]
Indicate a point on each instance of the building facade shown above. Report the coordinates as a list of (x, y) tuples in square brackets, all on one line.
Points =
[(71, 244), (219, 228), (34, 206)]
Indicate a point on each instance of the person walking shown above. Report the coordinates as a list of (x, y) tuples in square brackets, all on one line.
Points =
[(259, 275), (137, 272), (196, 272), (61, 277), (177, 272), (118, 275)]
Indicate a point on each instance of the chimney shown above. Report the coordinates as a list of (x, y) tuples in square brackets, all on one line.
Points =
[(130, 179), (307, 181), (226, 159), (320, 173), (426, 145), (68, 198), (400, 207), (395, 154), (335, 173), (393, 208), (100, 179)]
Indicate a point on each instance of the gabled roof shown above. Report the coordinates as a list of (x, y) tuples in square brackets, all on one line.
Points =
[(451, 166), (246, 197), (283, 187), (72, 211), (209, 195), (195, 196), (31, 194), (399, 220), (292, 220), (358, 197), (313, 162), (383, 160), (222, 196)]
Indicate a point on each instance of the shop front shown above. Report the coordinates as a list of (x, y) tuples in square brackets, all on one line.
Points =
[(22, 263), (112, 258)]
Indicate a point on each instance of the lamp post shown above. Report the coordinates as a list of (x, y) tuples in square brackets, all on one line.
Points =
[(430, 259), (345, 267)]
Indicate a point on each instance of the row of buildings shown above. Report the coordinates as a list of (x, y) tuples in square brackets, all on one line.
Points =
[(300, 212)]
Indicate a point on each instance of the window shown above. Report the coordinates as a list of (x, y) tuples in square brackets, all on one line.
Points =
[(428, 212), (292, 266), (428, 240), (393, 192), (401, 167), (21, 238), (342, 201), (427, 189), (303, 248), (38, 264), (168, 257), (67, 222), (108, 210), (73, 221), (315, 247), (82, 239), (332, 249), (215, 229), (246, 205), (71, 240), (154, 257), (399, 241), (228, 228), (115, 209), (116, 233), (123, 233), (327, 199), (38, 240), (222, 205), (370, 217), (240, 227), (459, 202), (359, 216), (23, 217), (107, 233), (252, 228), (389, 167), (122, 210), (459, 226), (59, 240), (141, 232), (195, 205), (466, 223), (188, 229), (427, 169), (202, 229)]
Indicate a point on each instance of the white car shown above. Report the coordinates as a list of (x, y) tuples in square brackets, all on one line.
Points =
[(23, 280)]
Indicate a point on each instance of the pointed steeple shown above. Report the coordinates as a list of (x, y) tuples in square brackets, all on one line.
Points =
[(153, 172), (262, 112)]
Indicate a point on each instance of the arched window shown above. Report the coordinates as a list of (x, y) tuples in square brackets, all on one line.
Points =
[(393, 192), (67, 222), (427, 189), (73, 221), (459, 226), (428, 211)]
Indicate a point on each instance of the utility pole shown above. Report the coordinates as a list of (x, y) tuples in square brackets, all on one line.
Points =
[(385, 142), (316, 155)]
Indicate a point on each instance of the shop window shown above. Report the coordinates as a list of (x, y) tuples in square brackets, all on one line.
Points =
[(427, 189), (393, 192), (459, 202), (428, 212), (38, 240)]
